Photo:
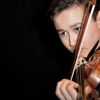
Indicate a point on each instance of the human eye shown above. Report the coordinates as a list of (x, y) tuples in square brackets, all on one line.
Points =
[(62, 34), (77, 29)]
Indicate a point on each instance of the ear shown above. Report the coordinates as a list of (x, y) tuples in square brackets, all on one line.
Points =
[(98, 19)]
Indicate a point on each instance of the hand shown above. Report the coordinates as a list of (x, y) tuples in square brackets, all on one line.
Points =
[(66, 90)]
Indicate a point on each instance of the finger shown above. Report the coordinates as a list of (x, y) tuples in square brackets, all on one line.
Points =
[(88, 90), (64, 87), (58, 92), (72, 91)]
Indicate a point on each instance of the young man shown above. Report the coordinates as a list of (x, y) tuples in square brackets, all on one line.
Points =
[(67, 16)]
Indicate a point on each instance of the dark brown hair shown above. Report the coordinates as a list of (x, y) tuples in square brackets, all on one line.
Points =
[(58, 6)]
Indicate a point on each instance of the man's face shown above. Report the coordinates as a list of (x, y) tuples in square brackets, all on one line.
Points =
[(68, 24)]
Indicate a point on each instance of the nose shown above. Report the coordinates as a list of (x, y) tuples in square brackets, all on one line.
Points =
[(72, 40)]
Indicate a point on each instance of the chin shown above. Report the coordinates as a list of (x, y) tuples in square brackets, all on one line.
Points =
[(71, 50)]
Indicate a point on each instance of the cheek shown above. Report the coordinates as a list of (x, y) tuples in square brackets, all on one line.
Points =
[(98, 20), (65, 42), (90, 34)]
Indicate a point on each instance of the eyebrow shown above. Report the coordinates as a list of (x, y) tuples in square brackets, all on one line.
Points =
[(72, 26), (59, 30)]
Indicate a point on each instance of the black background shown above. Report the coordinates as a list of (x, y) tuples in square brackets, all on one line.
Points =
[(32, 57)]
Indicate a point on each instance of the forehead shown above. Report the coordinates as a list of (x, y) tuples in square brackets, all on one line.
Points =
[(69, 16)]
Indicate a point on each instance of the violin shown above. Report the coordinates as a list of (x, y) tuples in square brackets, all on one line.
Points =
[(84, 71)]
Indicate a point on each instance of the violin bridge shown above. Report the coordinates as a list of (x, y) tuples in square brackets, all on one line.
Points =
[(80, 61)]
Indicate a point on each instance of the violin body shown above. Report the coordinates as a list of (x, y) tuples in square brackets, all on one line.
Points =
[(88, 75), (92, 73)]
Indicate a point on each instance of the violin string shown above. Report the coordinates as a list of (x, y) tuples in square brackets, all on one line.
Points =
[(80, 80), (77, 77)]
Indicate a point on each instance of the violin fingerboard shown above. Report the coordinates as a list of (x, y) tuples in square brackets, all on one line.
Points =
[(79, 78)]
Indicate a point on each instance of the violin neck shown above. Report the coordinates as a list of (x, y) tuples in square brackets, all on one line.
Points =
[(79, 76)]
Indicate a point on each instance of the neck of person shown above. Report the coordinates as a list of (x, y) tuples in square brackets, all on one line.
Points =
[(98, 45)]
